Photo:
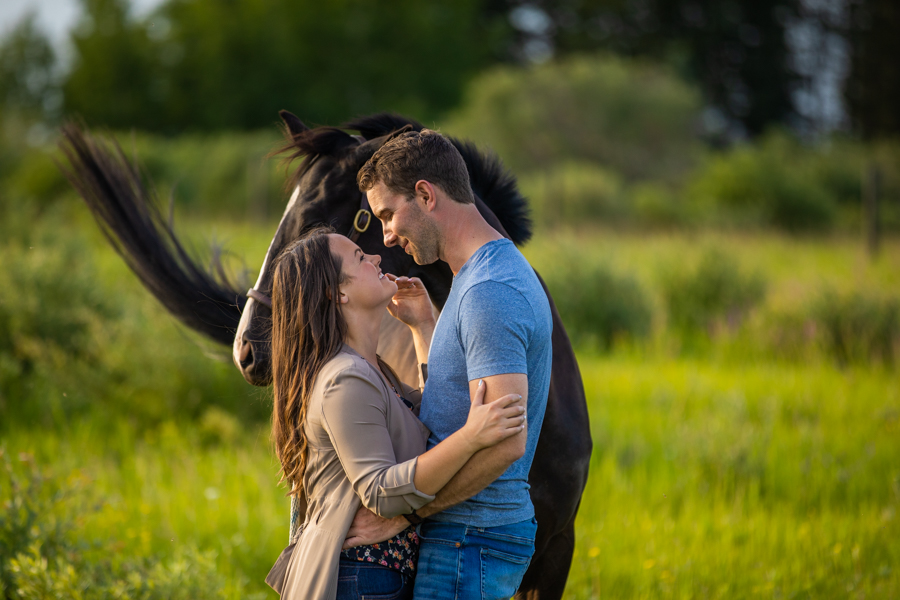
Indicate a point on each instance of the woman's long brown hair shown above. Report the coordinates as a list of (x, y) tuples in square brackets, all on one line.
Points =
[(308, 330)]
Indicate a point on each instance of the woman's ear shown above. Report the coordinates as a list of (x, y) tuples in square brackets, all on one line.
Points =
[(342, 297)]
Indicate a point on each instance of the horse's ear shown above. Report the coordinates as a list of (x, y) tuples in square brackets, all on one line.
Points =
[(295, 126)]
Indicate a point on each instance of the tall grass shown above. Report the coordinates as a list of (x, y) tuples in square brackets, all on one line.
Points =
[(733, 472)]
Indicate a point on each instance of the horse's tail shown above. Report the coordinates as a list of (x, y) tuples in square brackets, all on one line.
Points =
[(130, 218)]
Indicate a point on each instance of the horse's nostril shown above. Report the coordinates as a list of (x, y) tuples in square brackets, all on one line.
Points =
[(245, 356)]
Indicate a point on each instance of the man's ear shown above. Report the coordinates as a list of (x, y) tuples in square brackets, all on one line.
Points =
[(425, 193)]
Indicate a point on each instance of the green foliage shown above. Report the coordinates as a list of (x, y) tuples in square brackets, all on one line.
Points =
[(857, 327), (45, 553), (578, 193), (768, 183), (597, 305), (715, 293), (629, 116), (575, 192), (205, 65), (224, 174), (27, 82), (50, 316), (72, 335)]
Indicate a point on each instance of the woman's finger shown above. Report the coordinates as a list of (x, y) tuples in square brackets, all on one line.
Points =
[(478, 398), (516, 410), (509, 400)]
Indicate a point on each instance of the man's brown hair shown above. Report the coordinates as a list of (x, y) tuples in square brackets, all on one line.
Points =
[(412, 156)]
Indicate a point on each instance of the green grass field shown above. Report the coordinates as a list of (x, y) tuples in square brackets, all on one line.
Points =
[(713, 475)]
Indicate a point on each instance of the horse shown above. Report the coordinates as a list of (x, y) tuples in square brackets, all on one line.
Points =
[(324, 191)]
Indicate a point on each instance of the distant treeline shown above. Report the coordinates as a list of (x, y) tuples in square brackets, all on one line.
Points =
[(202, 65)]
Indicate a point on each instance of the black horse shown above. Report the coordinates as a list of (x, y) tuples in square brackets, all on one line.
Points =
[(324, 191)]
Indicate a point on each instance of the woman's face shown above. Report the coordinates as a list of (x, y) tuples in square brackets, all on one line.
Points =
[(365, 285)]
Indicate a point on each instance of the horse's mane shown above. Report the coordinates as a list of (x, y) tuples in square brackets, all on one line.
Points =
[(489, 178)]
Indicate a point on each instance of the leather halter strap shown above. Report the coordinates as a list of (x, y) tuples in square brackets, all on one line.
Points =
[(259, 297), (362, 219)]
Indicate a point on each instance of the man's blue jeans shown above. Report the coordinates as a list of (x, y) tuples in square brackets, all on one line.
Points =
[(461, 562)]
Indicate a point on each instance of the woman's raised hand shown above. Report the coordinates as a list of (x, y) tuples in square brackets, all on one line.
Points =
[(411, 303), (489, 424)]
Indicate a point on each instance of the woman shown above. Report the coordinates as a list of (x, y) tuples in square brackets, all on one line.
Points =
[(344, 426)]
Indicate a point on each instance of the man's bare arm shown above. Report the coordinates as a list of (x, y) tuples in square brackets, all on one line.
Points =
[(488, 464), (482, 469)]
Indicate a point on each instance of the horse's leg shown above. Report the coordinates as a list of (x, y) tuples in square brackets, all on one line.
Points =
[(547, 574)]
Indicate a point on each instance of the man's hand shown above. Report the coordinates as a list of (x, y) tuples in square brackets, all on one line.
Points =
[(411, 303), (368, 528)]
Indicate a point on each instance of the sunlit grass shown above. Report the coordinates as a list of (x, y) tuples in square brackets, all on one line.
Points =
[(729, 473), (723, 481), (706, 481)]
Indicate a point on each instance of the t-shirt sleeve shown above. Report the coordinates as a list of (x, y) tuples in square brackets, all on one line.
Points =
[(495, 328)]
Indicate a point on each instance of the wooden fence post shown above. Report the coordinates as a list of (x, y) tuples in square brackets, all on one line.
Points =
[(870, 192)]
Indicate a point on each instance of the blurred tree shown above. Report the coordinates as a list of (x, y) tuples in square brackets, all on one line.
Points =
[(631, 116), (208, 64), (873, 85), (735, 49), (113, 80), (27, 83)]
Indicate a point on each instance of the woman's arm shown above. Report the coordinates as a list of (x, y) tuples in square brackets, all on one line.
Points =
[(354, 416), (487, 425), (355, 419)]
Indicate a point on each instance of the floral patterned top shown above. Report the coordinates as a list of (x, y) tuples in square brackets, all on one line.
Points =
[(401, 552)]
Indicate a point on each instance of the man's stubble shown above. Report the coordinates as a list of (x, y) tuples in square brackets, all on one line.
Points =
[(425, 239)]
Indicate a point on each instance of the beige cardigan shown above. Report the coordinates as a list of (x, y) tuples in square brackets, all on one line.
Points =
[(364, 444)]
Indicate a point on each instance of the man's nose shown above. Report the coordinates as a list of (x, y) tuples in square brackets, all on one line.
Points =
[(389, 238)]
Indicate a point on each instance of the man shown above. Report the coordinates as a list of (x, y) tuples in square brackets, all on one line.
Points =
[(495, 326)]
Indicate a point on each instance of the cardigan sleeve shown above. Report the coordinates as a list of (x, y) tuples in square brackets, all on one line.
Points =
[(354, 415)]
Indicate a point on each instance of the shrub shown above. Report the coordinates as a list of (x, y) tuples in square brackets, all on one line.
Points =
[(45, 554), (768, 184), (597, 305), (857, 327), (575, 193), (78, 334), (713, 294), (50, 316), (627, 115)]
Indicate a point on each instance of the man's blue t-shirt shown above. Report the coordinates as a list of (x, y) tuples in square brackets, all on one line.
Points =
[(496, 321)]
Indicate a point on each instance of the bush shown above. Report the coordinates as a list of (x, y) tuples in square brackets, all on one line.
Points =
[(597, 305), (575, 193), (218, 174), (769, 184), (714, 294), (51, 313), (857, 327), (77, 336), (44, 553), (630, 116)]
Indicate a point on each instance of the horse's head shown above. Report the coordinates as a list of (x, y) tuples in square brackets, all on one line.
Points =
[(325, 192)]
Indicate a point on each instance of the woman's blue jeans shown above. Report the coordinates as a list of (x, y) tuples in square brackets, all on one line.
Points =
[(461, 562), (359, 580)]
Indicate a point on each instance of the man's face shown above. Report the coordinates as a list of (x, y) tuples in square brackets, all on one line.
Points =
[(405, 224)]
